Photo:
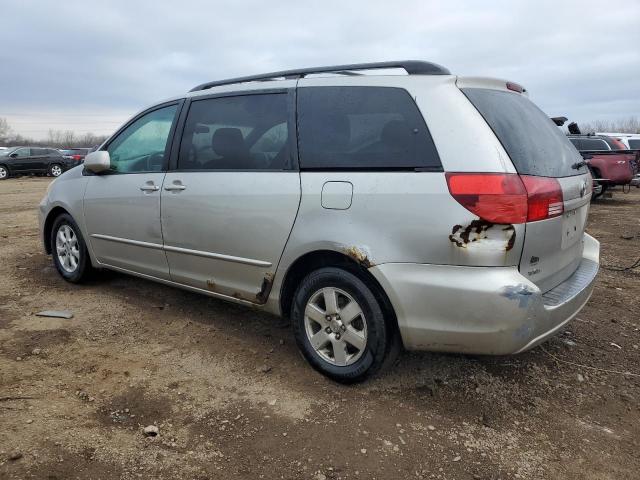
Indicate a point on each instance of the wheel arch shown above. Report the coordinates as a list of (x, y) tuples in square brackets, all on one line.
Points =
[(316, 259), (48, 225)]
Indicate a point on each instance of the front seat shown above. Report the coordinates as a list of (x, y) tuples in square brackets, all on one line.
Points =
[(228, 143)]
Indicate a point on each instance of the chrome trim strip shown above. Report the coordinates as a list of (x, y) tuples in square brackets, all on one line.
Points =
[(137, 243), (186, 251), (217, 256)]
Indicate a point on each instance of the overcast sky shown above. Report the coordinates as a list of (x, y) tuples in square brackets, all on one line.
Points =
[(88, 65)]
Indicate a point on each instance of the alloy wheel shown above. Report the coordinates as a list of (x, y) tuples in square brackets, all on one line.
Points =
[(3, 173), (67, 248), (335, 326), (56, 170)]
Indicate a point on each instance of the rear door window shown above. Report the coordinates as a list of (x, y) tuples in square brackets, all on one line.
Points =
[(534, 143), (634, 143), (363, 128), (246, 132)]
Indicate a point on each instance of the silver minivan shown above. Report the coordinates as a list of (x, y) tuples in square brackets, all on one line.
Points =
[(374, 209)]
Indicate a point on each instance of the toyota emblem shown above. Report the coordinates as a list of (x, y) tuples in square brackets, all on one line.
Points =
[(583, 188)]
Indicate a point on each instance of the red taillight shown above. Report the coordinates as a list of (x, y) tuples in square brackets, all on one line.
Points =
[(507, 198), (77, 157), (545, 197), (494, 197)]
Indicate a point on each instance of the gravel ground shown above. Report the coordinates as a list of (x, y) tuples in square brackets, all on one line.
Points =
[(232, 398)]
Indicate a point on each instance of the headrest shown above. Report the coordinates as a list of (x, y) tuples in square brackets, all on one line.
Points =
[(228, 142)]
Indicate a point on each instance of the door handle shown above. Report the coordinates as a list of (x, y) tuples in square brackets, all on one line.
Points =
[(174, 187), (149, 188)]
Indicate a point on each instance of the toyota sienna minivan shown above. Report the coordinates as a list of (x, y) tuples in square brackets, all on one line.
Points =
[(373, 209)]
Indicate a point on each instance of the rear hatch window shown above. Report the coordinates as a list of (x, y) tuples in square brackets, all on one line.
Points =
[(534, 143), (552, 248)]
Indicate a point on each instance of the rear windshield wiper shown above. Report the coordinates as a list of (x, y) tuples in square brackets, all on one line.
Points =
[(579, 165)]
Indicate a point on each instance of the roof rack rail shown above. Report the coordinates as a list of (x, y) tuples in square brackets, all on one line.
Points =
[(412, 67)]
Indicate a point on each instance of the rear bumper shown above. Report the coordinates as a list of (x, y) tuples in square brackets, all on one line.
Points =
[(482, 310)]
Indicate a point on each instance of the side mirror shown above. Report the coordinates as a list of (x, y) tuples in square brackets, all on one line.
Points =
[(14, 155), (97, 162)]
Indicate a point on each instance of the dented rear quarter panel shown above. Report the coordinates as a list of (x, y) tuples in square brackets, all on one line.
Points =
[(409, 217), (396, 217)]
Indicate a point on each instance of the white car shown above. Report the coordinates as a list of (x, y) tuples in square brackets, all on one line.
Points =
[(631, 140)]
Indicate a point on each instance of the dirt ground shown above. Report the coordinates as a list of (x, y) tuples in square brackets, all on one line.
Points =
[(75, 394)]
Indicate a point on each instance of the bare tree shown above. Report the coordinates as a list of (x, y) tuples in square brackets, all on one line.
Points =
[(69, 139), (5, 130), (624, 125)]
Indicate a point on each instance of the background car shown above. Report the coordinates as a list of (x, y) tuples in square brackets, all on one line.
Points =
[(76, 154), (590, 142), (630, 140), (608, 164), (38, 160)]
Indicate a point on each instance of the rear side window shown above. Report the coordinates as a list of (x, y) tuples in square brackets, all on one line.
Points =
[(35, 152), (361, 128), (634, 143), (589, 144), (248, 132), (534, 143)]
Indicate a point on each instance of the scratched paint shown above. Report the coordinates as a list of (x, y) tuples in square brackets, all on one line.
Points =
[(520, 292)]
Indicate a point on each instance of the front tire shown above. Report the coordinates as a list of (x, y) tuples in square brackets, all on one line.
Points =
[(69, 250), (4, 172), (339, 325), (55, 170)]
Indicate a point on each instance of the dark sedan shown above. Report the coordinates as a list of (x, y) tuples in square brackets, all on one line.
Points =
[(39, 160)]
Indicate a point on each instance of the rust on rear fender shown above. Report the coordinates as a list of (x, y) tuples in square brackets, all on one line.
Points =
[(482, 234), (265, 289), (360, 256)]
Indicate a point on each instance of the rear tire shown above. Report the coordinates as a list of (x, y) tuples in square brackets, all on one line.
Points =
[(4, 172), (69, 251), (55, 170), (339, 325)]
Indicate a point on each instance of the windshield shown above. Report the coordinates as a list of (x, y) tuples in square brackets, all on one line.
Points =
[(4, 153)]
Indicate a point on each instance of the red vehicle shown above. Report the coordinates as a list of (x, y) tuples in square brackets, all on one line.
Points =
[(76, 154), (609, 160)]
